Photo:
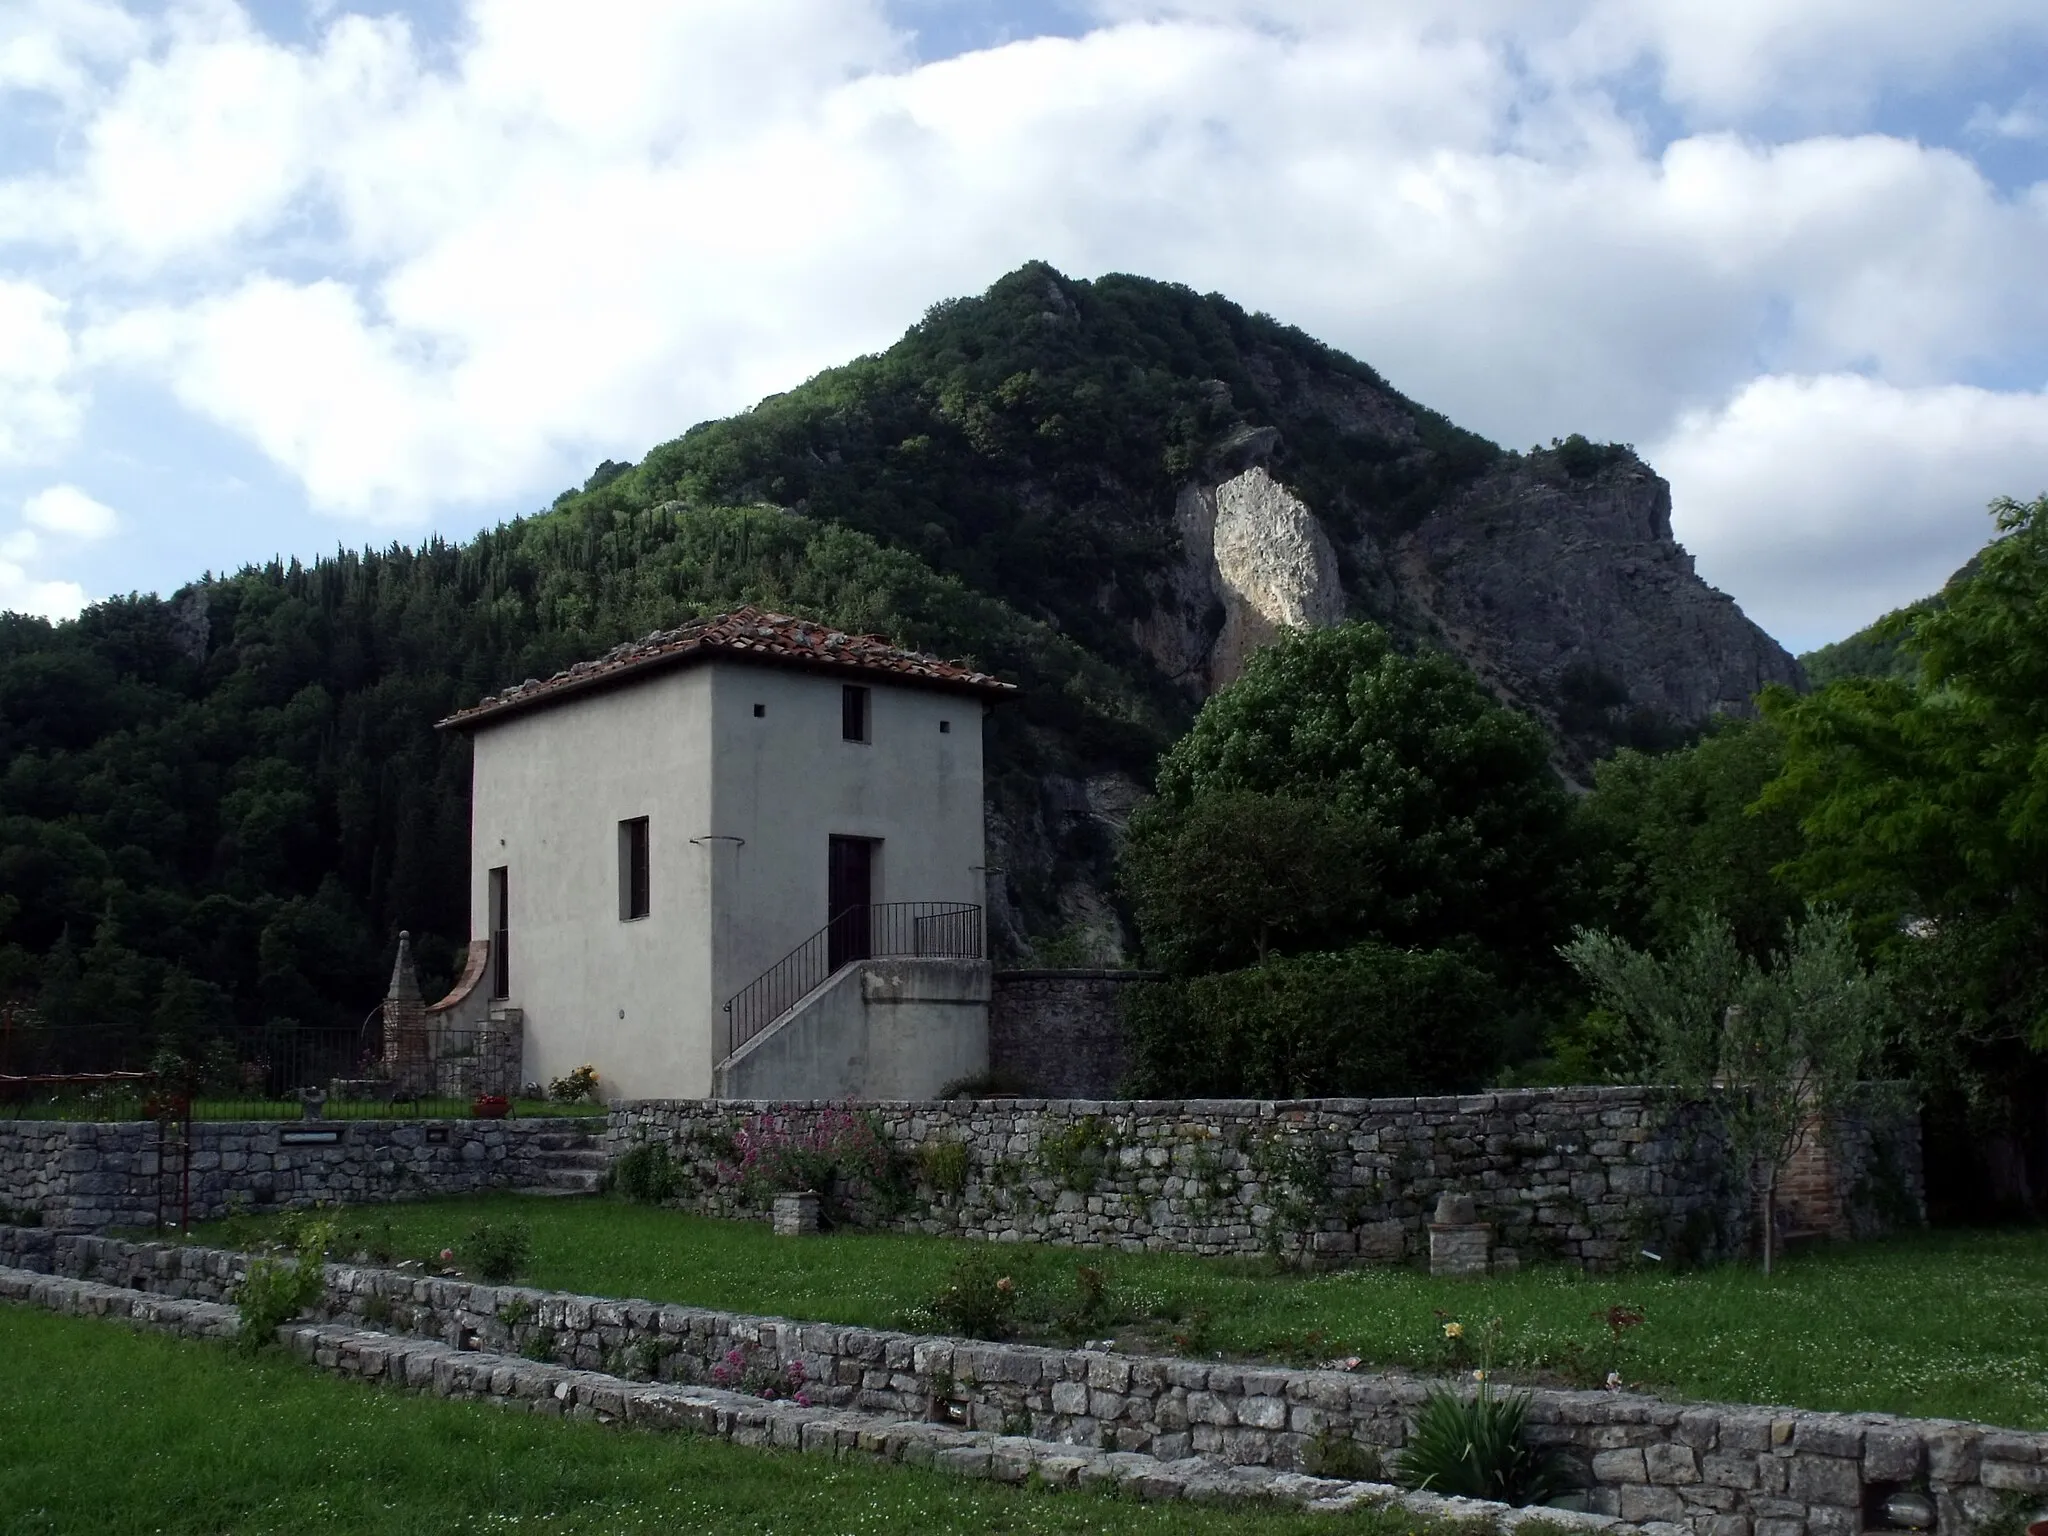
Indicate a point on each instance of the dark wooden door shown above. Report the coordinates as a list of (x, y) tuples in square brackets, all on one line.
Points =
[(850, 891)]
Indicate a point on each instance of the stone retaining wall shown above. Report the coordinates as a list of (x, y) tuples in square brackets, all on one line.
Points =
[(521, 1385), (1059, 1034), (1718, 1470), (1588, 1175), (86, 1177)]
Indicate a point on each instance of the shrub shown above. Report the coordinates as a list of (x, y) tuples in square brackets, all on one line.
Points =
[(1331, 1454), (1372, 1020), (497, 1253), (647, 1173), (1074, 1155), (573, 1087), (1477, 1448), (977, 1299), (989, 1084), (740, 1372), (277, 1289), (769, 1158), (944, 1165)]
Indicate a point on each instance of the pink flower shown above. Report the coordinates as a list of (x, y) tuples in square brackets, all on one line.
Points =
[(447, 1255)]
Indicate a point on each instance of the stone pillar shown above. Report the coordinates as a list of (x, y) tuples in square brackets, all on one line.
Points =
[(408, 1062), (1459, 1242), (796, 1215)]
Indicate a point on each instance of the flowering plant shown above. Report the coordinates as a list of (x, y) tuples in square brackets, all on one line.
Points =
[(737, 1373), (574, 1086), (771, 1157)]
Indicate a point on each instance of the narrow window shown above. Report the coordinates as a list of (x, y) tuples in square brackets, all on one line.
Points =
[(501, 952), (633, 884), (945, 727), (760, 710), (853, 713)]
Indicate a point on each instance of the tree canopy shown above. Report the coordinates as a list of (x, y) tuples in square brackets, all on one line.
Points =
[(1421, 811)]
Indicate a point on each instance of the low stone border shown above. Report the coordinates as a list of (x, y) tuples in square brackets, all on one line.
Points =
[(561, 1391), (1722, 1470)]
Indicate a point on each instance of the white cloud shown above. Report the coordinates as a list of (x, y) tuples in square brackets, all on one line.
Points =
[(1826, 501), (40, 408), (2026, 118), (22, 593), (53, 47), (66, 510), (425, 277)]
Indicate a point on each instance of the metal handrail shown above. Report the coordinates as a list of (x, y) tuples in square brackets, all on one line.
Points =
[(867, 931)]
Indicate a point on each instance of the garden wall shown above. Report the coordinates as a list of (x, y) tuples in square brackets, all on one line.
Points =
[(85, 1177), (1589, 1175), (1059, 1034), (1719, 1470)]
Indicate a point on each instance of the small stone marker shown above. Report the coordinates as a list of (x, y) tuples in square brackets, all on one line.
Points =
[(797, 1215), (1459, 1242)]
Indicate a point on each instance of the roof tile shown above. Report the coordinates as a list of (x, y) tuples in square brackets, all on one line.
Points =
[(749, 632)]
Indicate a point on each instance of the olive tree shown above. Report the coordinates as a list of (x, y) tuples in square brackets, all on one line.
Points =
[(1773, 1050)]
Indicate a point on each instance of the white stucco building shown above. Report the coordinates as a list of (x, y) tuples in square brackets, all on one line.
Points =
[(740, 858)]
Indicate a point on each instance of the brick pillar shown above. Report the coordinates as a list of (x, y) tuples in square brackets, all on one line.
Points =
[(407, 1061)]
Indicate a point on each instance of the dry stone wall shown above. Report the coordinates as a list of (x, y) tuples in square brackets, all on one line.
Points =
[(1589, 1175), (84, 1177), (1715, 1470)]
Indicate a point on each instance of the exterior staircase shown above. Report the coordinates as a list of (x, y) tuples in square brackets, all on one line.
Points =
[(570, 1163)]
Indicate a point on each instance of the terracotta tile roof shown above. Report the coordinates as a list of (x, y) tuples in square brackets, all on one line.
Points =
[(746, 634)]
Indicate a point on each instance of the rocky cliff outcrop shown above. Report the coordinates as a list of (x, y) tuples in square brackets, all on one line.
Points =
[(1571, 598), (1553, 574)]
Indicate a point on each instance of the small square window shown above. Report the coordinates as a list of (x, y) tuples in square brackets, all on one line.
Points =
[(853, 713), (760, 710), (945, 727)]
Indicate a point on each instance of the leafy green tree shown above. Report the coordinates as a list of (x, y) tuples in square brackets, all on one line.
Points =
[(1442, 803), (1680, 833), (1772, 1051), (1924, 806), (1371, 1020), (1240, 875)]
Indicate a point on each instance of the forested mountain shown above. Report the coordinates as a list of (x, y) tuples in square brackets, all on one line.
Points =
[(225, 803)]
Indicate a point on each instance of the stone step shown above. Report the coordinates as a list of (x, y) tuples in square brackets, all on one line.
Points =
[(838, 1433), (566, 1141), (590, 1158)]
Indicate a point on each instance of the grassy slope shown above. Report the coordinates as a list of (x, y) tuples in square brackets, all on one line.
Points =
[(106, 1431), (1948, 1324)]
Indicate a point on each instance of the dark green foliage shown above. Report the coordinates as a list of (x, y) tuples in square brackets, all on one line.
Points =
[(1368, 1021), (1924, 808), (278, 1288), (646, 1172), (1236, 875), (497, 1251), (977, 1300), (1681, 834), (1074, 1156), (1441, 804), (1581, 458), (943, 1165), (1478, 1448), (245, 835), (1876, 651)]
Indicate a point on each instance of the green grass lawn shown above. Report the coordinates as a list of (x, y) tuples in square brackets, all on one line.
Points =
[(1947, 1324), (107, 1431)]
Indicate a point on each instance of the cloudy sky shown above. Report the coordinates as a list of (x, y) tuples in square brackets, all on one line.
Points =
[(283, 274)]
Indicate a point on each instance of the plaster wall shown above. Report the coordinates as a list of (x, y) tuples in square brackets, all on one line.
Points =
[(740, 807), (886, 1029), (549, 791), (786, 783)]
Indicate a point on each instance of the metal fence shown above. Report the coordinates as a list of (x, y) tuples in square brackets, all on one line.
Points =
[(269, 1073), (868, 931)]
